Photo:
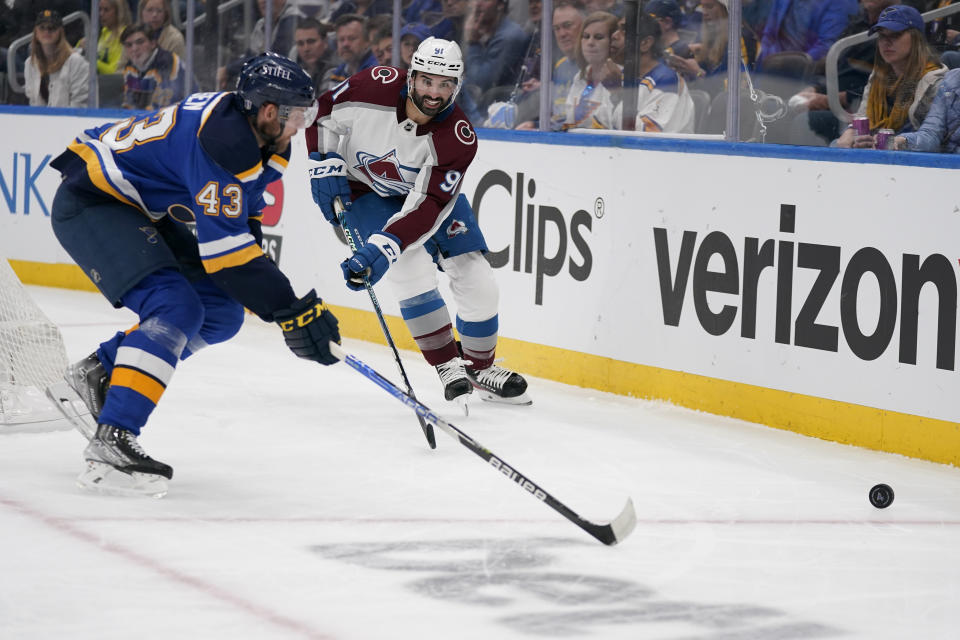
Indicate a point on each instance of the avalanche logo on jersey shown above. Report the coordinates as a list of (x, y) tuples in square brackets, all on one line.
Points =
[(456, 228), (385, 173)]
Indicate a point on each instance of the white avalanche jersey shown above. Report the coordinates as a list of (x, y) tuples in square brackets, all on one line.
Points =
[(364, 120)]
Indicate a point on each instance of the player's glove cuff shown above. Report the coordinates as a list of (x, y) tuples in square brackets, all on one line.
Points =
[(328, 180), (371, 261)]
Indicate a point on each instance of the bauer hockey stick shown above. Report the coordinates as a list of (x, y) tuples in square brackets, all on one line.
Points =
[(610, 533), (427, 429)]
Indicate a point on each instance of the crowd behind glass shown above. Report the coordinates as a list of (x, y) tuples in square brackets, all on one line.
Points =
[(897, 90)]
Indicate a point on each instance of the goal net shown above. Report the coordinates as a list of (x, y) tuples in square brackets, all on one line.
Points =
[(32, 356)]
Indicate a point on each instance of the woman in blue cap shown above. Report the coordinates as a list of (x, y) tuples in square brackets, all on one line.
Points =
[(905, 78)]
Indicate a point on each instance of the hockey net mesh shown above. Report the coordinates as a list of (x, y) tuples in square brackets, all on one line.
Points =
[(32, 354)]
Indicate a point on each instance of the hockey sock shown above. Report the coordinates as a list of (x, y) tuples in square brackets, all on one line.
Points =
[(429, 322), (146, 357), (479, 341)]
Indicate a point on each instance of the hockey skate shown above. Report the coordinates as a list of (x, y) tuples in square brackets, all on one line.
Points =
[(89, 379), (456, 385), (73, 408), (496, 384), (116, 464)]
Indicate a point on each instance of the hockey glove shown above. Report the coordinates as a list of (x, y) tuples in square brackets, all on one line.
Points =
[(371, 261), (256, 230), (328, 179), (308, 327)]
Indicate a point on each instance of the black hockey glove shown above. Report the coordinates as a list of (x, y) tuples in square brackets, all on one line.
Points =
[(308, 327), (256, 230)]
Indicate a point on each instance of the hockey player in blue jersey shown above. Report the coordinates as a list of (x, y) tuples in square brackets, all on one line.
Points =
[(128, 188)]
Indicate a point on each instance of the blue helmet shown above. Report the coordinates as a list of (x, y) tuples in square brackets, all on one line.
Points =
[(271, 77)]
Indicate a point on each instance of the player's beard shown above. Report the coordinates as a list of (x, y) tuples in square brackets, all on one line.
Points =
[(272, 134), (425, 110)]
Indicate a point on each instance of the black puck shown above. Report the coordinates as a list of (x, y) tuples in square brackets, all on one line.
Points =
[(881, 496)]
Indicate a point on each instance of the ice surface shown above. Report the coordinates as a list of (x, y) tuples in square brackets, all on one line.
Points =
[(306, 503)]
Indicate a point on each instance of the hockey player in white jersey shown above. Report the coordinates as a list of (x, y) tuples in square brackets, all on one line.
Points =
[(394, 146)]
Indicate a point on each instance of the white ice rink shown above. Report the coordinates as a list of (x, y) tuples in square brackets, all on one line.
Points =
[(306, 504)]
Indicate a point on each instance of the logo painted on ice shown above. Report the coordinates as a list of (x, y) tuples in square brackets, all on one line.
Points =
[(387, 176)]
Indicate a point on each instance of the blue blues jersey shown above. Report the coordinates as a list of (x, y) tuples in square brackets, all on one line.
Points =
[(197, 160)]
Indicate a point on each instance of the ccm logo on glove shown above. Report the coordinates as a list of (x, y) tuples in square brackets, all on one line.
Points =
[(304, 318), (328, 168)]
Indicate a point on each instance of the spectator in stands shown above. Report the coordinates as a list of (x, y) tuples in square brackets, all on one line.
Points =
[(496, 46), (157, 15), (411, 35), (365, 8), (816, 124), (669, 17), (380, 36), (944, 34), (664, 104), (383, 46), (55, 75), (114, 18), (285, 17), (805, 25), (313, 50), (422, 11), (708, 66), (452, 24), (610, 6), (692, 15), (353, 48), (617, 42), (940, 131), (153, 77), (534, 17), (567, 21), (595, 92), (9, 31), (905, 78)]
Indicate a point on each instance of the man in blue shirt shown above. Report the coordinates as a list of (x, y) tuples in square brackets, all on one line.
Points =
[(496, 46), (805, 25)]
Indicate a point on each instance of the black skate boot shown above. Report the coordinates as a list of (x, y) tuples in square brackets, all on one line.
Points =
[(453, 376), (89, 379), (497, 384), (117, 464)]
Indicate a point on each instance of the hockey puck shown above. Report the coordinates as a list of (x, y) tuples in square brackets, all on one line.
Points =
[(881, 496)]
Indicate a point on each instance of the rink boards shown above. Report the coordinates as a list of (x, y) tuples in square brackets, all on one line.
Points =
[(806, 289)]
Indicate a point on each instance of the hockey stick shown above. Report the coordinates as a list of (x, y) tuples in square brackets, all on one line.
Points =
[(610, 534), (427, 429)]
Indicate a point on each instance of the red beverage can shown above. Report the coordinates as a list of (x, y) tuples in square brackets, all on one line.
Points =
[(861, 126), (883, 138)]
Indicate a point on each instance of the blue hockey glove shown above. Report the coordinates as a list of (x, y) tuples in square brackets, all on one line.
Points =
[(371, 261), (308, 327), (328, 179)]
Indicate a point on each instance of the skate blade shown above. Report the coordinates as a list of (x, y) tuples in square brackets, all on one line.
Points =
[(461, 401), (104, 479), (522, 399), (73, 408)]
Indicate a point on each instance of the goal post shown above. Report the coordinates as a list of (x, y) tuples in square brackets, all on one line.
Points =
[(32, 356)]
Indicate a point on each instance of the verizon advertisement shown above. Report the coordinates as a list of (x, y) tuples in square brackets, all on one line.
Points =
[(830, 279)]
